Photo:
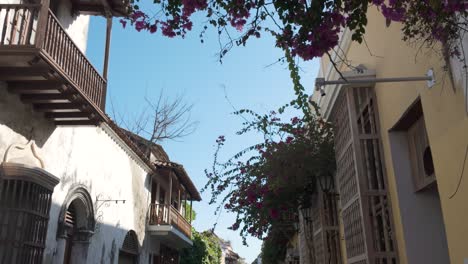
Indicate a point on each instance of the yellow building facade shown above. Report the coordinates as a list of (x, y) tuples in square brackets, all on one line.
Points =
[(417, 152)]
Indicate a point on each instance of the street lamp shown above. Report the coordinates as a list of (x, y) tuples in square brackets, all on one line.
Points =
[(326, 183)]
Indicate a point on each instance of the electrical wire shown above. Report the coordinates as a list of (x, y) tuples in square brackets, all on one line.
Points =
[(461, 175)]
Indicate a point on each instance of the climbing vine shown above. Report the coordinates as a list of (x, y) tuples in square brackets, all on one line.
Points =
[(265, 183), (205, 249)]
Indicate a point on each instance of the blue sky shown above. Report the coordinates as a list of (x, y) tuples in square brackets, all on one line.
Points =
[(143, 64)]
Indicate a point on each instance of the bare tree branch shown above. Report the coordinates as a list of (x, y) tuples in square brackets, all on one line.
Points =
[(161, 119)]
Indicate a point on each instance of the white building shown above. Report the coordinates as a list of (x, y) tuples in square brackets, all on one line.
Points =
[(74, 187)]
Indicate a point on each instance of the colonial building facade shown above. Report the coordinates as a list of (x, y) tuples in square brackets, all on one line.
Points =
[(74, 187), (401, 150)]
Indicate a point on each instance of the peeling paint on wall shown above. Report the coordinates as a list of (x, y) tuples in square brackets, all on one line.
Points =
[(139, 202)]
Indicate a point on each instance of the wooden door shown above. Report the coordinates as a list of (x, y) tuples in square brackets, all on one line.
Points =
[(127, 258), (70, 223)]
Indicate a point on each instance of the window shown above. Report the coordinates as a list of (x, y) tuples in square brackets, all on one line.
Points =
[(421, 156), (25, 200), (413, 125), (129, 252)]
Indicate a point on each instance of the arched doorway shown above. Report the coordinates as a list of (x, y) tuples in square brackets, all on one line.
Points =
[(129, 252), (76, 226)]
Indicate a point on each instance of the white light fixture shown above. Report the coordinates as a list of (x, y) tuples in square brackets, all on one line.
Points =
[(321, 82)]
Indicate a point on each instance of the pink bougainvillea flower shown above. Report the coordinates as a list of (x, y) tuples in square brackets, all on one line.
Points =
[(139, 25), (123, 22), (274, 213), (235, 226), (153, 28), (294, 120)]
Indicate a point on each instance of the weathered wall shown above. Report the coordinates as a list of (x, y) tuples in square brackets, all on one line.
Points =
[(446, 123), (85, 156)]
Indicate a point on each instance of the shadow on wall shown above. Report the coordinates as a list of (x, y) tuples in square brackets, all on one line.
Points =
[(21, 122), (107, 244)]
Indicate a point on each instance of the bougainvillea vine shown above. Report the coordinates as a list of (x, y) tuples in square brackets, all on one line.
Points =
[(266, 183), (307, 28)]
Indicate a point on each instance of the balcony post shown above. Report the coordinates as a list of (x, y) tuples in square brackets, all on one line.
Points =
[(184, 207), (191, 200), (106, 53), (158, 193), (170, 196), (42, 23), (178, 199)]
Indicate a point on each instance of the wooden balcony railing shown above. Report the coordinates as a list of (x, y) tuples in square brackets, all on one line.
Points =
[(165, 214), (34, 28), (60, 47)]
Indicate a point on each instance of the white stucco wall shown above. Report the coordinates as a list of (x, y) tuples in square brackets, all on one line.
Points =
[(90, 157), (76, 25)]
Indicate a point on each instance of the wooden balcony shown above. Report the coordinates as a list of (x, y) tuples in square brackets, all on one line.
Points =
[(164, 214), (42, 64)]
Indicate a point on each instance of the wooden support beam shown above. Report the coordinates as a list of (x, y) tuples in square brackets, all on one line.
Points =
[(31, 87), (76, 123), (59, 106), (107, 7), (91, 9), (19, 73), (44, 98), (70, 115), (55, 115)]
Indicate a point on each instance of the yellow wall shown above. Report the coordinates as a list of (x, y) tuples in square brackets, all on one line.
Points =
[(445, 116)]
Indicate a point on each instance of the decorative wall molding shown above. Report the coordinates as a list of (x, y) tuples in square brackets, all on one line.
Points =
[(10, 170), (84, 213), (24, 154)]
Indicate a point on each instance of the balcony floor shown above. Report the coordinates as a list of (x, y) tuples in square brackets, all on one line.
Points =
[(170, 235), (39, 82)]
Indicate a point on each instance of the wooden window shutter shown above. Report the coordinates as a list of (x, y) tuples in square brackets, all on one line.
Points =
[(326, 234), (361, 179), (130, 244), (421, 157)]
